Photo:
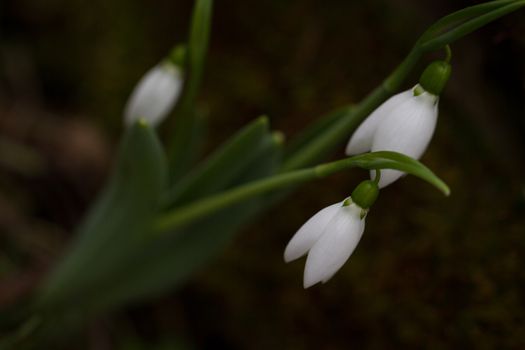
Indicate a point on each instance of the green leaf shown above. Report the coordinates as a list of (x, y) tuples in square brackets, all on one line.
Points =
[(387, 160), (198, 42), (121, 216), (147, 264), (456, 25), (218, 170), (168, 260), (185, 109), (456, 18), (197, 132)]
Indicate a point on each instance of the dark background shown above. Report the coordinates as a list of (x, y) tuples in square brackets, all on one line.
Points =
[(430, 271)]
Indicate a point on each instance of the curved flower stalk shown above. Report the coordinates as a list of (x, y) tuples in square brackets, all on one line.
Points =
[(404, 123), (155, 94), (331, 236)]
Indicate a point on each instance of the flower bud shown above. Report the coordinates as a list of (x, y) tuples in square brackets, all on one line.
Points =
[(157, 92)]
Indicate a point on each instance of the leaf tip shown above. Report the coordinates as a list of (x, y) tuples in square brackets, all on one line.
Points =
[(278, 137), (263, 120)]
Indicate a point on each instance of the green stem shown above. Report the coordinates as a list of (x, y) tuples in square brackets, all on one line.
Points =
[(448, 53), (344, 127), (341, 130), (185, 109), (393, 82), (377, 178), (182, 216)]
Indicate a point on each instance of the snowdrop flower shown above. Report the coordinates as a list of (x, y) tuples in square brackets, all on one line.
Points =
[(331, 235), (155, 94), (404, 123)]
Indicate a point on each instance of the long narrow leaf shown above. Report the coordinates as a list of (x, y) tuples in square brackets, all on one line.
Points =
[(169, 260), (222, 165), (469, 26), (449, 21), (185, 109), (122, 214)]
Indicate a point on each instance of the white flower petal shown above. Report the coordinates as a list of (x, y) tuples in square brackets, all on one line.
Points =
[(361, 140), (154, 95), (408, 130), (309, 233), (335, 246)]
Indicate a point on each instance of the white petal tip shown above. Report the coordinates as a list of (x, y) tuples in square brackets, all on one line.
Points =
[(293, 251), (288, 256), (326, 279), (308, 284), (309, 233), (348, 149), (312, 276), (357, 147)]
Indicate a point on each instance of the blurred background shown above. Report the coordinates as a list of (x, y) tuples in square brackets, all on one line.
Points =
[(430, 271)]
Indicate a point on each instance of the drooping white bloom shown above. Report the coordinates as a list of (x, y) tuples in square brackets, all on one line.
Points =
[(404, 123), (329, 238), (155, 94)]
